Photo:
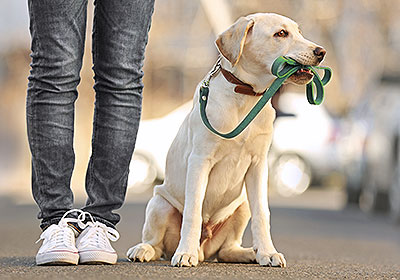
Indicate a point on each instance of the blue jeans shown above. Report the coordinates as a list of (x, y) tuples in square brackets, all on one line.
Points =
[(120, 35)]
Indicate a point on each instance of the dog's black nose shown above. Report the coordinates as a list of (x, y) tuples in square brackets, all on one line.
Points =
[(320, 53)]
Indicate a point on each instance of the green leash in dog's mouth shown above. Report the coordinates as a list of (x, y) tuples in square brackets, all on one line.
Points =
[(282, 68)]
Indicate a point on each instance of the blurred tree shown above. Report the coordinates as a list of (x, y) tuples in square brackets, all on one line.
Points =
[(360, 48)]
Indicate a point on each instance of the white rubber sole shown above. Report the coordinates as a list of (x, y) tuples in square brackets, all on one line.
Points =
[(57, 258), (97, 257)]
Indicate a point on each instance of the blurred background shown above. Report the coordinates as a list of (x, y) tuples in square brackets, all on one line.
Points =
[(346, 151)]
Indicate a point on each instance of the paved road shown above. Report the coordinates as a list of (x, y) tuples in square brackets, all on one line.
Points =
[(317, 243)]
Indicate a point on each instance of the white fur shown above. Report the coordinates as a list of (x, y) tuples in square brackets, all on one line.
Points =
[(206, 175)]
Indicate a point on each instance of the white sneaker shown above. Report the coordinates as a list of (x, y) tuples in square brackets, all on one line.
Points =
[(94, 246), (58, 246)]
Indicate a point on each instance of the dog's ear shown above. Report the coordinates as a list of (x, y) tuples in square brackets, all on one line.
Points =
[(230, 43)]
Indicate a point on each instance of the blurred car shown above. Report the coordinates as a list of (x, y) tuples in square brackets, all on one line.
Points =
[(303, 146), (351, 145), (380, 189), (376, 156)]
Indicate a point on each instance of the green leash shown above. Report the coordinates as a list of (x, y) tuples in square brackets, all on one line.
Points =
[(282, 68)]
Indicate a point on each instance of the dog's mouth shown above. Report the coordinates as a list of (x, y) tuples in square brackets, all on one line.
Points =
[(302, 76), (304, 72)]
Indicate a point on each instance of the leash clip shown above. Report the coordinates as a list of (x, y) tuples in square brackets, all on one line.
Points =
[(216, 68)]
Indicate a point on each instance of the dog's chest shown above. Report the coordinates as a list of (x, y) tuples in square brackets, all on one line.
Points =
[(226, 178), (232, 161)]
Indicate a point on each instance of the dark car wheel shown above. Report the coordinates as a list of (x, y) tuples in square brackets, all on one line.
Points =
[(372, 199), (353, 195)]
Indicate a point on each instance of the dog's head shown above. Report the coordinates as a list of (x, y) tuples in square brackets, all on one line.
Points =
[(252, 44)]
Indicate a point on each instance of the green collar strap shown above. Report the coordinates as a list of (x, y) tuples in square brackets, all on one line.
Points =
[(282, 68)]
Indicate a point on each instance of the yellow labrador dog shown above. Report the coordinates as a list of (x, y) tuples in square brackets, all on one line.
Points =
[(213, 185)]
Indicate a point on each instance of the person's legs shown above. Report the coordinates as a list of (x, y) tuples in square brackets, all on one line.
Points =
[(58, 34), (120, 36)]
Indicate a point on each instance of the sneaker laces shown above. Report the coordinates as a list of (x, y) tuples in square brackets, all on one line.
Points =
[(61, 234), (98, 234)]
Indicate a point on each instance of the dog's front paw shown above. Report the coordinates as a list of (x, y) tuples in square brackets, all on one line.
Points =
[(141, 253), (184, 259), (275, 259)]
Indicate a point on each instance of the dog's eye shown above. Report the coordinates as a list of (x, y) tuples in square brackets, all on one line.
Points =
[(282, 33)]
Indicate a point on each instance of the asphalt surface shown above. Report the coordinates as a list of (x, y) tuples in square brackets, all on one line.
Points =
[(318, 243)]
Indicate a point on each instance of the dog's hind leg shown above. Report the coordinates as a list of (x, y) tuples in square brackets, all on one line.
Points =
[(237, 254), (158, 215), (225, 243), (231, 249)]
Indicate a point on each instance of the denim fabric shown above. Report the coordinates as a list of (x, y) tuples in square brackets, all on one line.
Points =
[(120, 36)]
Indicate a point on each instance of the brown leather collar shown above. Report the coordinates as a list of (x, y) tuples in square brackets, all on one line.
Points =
[(241, 87)]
